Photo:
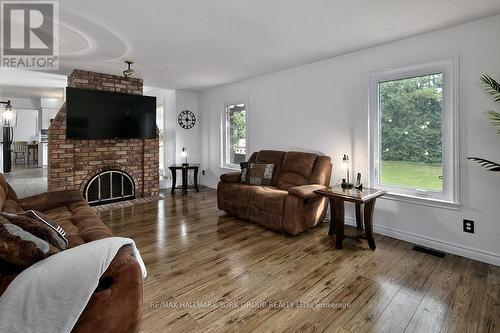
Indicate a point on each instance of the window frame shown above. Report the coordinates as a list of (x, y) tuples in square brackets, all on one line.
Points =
[(162, 151), (449, 197), (223, 128)]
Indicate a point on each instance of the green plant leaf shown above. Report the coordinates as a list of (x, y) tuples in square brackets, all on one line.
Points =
[(491, 86), (491, 166), (494, 117)]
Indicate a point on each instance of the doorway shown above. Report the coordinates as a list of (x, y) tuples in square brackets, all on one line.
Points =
[(35, 99)]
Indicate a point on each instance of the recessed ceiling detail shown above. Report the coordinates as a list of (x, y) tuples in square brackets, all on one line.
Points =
[(82, 40)]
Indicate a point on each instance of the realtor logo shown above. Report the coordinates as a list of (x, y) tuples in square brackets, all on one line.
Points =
[(30, 35)]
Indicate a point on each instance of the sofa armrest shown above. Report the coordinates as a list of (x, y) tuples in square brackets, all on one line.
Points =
[(231, 177), (117, 303), (122, 258), (50, 200), (306, 191)]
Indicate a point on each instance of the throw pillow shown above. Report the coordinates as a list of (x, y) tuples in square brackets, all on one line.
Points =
[(244, 172), (40, 226), (260, 173), (21, 248)]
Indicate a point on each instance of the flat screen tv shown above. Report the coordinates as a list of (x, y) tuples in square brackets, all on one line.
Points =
[(92, 114)]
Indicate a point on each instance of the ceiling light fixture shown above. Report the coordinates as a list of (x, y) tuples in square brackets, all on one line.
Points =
[(129, 71), (8, 115)]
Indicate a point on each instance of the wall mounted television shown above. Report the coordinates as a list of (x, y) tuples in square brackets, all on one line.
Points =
[(94, 114)]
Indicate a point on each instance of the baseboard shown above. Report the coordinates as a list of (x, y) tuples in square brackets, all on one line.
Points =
[(479, 255), (211, 185)]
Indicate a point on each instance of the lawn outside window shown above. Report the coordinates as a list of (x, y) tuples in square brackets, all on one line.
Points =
[(413, 133)]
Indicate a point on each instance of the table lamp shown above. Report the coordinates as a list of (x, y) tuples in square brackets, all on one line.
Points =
[(184, 155), (345, 166)]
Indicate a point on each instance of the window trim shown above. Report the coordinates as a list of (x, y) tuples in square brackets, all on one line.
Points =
[(449, 198), (232, 101), (161, 141)]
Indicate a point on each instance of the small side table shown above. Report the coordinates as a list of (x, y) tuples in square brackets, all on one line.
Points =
[(362, 199), (33, 149), (185, 169)]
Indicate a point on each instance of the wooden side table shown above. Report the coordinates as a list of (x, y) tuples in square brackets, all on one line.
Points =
[(364, 201), (185, 169), (33, 148)]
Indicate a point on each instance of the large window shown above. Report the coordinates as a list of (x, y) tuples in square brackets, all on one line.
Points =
[(413, 132), (160, 114), (234, 138)]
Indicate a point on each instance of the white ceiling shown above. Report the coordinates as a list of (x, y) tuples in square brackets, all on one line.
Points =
[(195, 44)]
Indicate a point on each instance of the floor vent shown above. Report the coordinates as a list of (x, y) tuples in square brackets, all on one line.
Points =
[(430, 251)]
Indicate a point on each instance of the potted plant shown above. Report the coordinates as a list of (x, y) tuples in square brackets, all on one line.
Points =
[(493, 88)]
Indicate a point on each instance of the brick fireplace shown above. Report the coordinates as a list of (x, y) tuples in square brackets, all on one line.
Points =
[(74, 163)]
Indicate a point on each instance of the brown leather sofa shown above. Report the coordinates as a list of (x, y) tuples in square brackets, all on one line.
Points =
[(117, 306), (289, 205)]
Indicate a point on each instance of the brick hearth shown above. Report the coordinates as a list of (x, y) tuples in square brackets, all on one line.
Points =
[(73, 162)]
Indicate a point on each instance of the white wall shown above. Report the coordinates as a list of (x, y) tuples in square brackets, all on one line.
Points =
[(166, 97), (323, 107), (189, 138), (174, 102), (27, 126)]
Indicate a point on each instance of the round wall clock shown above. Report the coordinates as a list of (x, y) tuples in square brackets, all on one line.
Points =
[(186, 119)]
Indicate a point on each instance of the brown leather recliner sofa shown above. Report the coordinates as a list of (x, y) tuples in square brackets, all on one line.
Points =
[(117, 306), (289, 205)]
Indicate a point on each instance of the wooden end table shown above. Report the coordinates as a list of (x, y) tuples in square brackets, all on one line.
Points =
[(185, 169), (33, 147), (362, 199)]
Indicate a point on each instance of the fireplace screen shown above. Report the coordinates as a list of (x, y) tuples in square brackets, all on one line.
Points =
[(109, 186)]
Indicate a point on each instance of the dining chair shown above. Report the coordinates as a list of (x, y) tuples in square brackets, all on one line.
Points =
[(20, 148)]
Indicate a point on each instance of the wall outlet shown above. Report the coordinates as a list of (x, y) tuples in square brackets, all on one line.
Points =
[(203, 172), (469, 226)]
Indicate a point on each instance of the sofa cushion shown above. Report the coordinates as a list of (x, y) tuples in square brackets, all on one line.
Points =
[(296, 169), (260, 173), (80, 222), (268, 198), (40, 226), (244, 172), (8, 196), (238, 192), (322, 171), (12, 206), (3, 198), (271, 156), (20, 247), (45, 220)]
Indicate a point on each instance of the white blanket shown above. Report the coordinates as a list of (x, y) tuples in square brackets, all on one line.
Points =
[(51, 295)]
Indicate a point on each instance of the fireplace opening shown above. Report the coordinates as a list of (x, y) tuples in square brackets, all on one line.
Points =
[(109, 186)]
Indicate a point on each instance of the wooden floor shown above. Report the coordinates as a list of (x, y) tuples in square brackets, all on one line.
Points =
[(209, 272)]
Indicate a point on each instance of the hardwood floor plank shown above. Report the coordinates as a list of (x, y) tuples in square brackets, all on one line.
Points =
[(363, 319), (489, 319), (433, 308), (397, 315), (466, 301)]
